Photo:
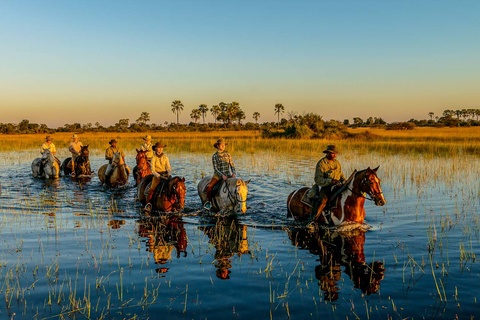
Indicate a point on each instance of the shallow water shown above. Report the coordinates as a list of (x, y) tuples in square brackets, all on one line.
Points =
[(79, 250)]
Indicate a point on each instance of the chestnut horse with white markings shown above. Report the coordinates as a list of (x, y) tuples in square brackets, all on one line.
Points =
[(348, 206)]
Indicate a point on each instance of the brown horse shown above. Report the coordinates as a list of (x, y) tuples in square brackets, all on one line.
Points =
[(169, 196), (337, 251), (120, 172), (348, 206), (82, 164), (142, 169)]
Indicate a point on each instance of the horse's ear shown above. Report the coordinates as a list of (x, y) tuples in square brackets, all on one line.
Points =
[(137, 150), (183, 179), (86, 146), (375, 170), (248, 181)]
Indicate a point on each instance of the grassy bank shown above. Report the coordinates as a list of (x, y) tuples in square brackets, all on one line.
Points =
[(434, 141)]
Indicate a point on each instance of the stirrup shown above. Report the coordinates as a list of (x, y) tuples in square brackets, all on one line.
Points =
[(148, 207), (207, 205)]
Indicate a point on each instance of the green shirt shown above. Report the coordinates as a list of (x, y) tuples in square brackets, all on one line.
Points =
[(327, 171)]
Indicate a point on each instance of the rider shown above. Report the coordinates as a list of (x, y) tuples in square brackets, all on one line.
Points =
[(75, 147), (147, 146), (161, 170), (223, 168), (328, 173), (109, 152), (48, 145)]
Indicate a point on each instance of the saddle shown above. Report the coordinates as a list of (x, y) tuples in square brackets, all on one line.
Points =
[(163, 185), (216, 188)]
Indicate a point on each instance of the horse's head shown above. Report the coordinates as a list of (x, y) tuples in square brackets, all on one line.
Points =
[(370, 184), (117, 159), (141, 157), (50, 165), (84, 151), (178, 189), (242, 192)]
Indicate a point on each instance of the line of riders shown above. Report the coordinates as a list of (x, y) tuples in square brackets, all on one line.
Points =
[(329, 177)]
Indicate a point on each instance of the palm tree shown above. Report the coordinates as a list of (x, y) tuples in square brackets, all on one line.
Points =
[(256, 116), (177, 107), (195, 114), (279, 109), (215, 110), (203, 110), (431, 114)]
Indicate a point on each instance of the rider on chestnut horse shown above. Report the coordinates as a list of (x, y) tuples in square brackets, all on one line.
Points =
[(328, 177)]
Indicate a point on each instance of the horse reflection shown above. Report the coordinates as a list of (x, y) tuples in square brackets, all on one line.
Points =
[(337, 251), (163, 235), (228, 237)]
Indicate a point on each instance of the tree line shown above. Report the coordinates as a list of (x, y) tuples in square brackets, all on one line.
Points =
[(230, 116)]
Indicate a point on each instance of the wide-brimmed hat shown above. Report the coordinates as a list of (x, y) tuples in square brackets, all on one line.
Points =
[(159, 144), (48, 138), (112, 141), (74, 136), (331, 149), (219, 141), (147, 137)]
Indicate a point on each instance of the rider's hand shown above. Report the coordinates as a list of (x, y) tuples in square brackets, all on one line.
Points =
[(234, 175), (224, 177)]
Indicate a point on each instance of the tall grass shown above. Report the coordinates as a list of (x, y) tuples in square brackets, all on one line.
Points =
[(433, 141)]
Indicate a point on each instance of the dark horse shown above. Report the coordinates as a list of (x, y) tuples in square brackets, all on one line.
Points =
[(336, 251), (142, 169), (169, 196), (82, 164), (348, 206)]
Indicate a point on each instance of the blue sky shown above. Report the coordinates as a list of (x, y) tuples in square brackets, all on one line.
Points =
[(101, 61)]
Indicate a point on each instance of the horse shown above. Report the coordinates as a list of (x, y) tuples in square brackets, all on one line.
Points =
[(337, 250), (348, 206), (142, 169), (49, 164), (119, 174), (82, 164), (168, 196), (231, 196)]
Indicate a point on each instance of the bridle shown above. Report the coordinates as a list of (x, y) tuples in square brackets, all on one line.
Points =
[(365, 182), (233, 197)]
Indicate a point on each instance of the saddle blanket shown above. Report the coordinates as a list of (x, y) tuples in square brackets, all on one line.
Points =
[(306, 199)]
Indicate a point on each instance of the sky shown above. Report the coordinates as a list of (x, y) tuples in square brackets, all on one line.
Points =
[(88, 61)]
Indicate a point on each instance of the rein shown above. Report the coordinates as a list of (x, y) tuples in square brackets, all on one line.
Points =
[(232, 197)]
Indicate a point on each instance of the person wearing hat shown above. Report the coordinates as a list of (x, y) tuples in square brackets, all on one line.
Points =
[(328, 174), (147, 146), (161, 170), (109, 153), (75, 147), (223, 168), (48, 145)]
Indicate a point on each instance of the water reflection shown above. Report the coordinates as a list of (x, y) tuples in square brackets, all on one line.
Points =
[(163, 234), (228, 237), (335, 251)]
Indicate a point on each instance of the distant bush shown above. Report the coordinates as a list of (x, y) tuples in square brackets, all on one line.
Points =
[(400, 126)]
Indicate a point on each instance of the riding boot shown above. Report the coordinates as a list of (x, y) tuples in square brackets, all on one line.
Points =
[(317, 209)]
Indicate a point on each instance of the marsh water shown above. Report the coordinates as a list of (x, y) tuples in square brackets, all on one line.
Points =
[(77, 250)]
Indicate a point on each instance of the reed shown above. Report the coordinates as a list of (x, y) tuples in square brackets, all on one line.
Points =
[(432, 141)]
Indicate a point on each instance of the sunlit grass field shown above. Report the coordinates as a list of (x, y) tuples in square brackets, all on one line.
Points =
[(434, 141)]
